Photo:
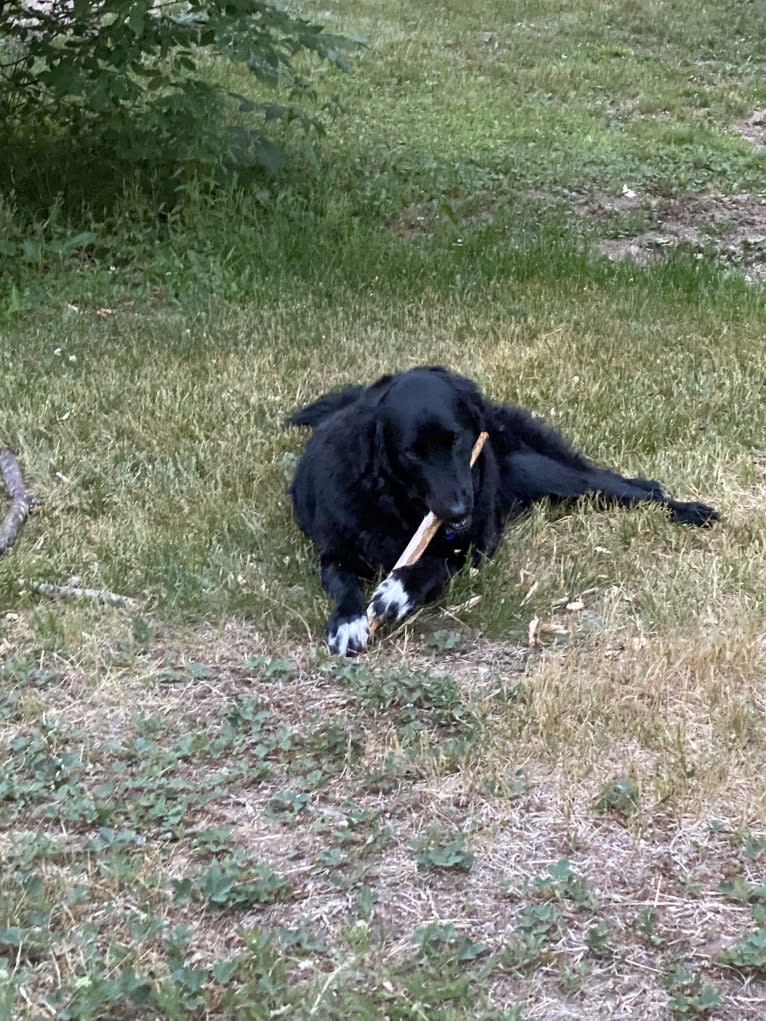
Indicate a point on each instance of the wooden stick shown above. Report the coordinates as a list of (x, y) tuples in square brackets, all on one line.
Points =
[(100, 595), (21, 500), (427, 529)]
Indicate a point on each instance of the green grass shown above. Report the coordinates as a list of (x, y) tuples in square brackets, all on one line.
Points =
[(202, 814)]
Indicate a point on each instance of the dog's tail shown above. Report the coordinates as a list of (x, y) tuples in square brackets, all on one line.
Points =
[(321, 409)]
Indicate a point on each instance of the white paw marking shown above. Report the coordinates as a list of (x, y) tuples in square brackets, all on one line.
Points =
[(352, 635), (390, 599)]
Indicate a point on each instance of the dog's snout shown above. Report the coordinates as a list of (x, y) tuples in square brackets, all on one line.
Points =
[(459, 508)]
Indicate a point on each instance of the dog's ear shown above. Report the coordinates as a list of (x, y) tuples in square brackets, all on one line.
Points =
[(375, 459), (381, 459), (470, 396), (378, 388), (472, 400), (370, 437)]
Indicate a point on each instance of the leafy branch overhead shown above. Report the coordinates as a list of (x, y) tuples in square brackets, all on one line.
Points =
[(137, 71)]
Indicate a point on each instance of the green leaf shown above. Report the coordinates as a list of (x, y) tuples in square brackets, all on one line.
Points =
[(137, 19), (270, 155), (709, 997), (81, 240), (749, 952), (738, 889), (560, 869), (32, 250), (446, 856), (224, 971), (13, 936)]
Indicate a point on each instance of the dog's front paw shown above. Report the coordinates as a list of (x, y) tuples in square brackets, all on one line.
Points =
[(391, 599), (348, 637)]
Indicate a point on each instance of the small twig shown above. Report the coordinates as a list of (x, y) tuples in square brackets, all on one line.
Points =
[(100, 595), (21, 500), (427, 529), (457, 608)]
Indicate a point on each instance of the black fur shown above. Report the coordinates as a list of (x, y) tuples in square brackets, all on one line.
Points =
[(381, 456)]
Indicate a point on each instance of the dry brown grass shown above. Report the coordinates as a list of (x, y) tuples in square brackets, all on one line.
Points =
[(681, 715)]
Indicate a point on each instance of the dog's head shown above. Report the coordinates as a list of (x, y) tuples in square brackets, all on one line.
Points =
[(426, 423)]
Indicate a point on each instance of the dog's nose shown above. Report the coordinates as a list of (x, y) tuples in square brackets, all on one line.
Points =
[(458, 509)]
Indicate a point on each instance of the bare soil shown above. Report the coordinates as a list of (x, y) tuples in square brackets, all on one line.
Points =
[(731, 228)]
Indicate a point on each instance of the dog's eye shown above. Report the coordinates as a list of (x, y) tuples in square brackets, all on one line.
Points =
[(411, 454), (457, 439)]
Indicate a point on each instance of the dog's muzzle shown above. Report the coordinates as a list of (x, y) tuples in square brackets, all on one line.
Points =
[(457, 526)]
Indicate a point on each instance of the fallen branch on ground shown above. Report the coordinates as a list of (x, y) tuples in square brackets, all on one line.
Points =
[(99, 595), (21, 500)]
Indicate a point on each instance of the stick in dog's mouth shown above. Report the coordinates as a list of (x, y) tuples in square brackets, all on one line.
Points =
[(428, 528)]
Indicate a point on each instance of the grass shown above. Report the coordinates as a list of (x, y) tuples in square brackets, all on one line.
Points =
[(202, 814)]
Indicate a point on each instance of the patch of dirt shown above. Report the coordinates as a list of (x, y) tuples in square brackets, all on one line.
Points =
[(647, 893), (417, 221), (753, 130), (728, 228), (731, 228), (421, 219)]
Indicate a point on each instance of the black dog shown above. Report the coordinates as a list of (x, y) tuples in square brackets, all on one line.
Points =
[(381, 456)]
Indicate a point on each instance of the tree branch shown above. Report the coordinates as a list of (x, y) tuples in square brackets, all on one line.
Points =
[(99, 595), (21, 500)]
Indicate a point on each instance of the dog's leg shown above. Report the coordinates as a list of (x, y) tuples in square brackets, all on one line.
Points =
[(347, 627), (529, 476), (408, 587), (613, 488)]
